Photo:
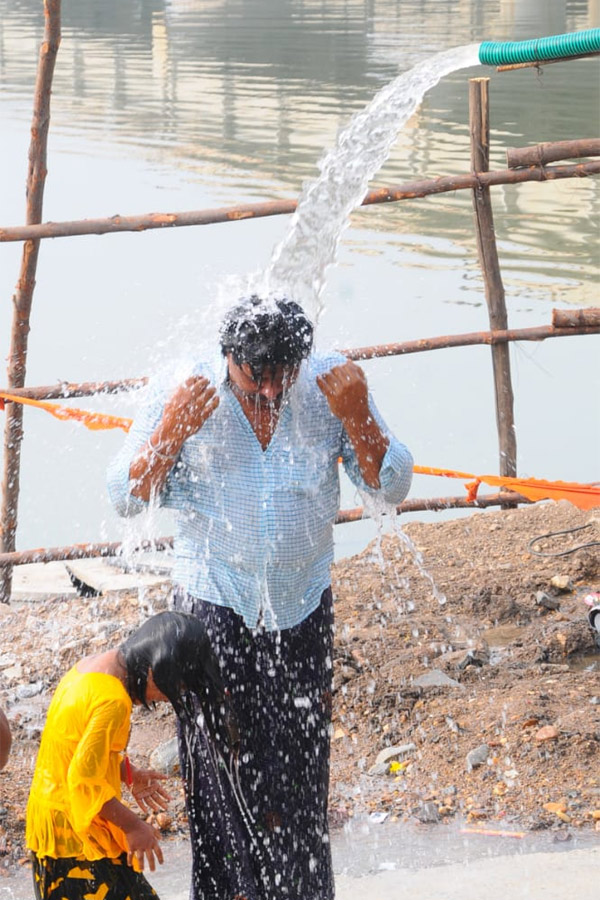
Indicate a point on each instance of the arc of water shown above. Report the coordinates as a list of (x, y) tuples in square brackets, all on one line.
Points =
[(299, 262)]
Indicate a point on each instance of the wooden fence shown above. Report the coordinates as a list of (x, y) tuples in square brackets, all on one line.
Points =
[(524, 164)]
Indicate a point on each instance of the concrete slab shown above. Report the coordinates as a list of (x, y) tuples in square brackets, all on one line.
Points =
[(103, 576), (41, 581)]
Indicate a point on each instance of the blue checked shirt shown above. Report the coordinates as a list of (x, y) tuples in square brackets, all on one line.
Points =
[(254, 527)]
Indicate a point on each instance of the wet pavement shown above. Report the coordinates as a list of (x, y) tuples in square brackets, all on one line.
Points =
[(396, 861)]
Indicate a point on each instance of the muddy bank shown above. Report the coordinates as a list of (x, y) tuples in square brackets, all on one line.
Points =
[(485, 707)]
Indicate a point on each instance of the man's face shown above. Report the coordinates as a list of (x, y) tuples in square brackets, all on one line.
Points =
[(269, 391)]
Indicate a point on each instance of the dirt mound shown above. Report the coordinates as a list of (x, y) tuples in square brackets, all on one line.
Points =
[(483, 702)]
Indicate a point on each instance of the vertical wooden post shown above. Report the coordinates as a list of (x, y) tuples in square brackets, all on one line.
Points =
[(494, 289), (22, 299)]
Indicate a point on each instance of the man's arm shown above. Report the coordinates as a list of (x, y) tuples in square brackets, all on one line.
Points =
[(345, 389), (184, 414)]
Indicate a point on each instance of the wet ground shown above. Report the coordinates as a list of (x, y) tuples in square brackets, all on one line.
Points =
[(391, 862)]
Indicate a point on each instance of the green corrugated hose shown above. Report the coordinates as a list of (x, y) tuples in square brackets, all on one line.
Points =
[(557, 46)]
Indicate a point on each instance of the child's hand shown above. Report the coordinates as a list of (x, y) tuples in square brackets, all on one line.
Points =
[(147, 790), (142, 841)]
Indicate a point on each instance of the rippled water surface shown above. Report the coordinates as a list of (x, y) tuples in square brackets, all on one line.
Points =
[(191, 104)]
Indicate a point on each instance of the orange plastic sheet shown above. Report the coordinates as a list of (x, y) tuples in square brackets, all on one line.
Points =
[(93, 421), (584, 496)]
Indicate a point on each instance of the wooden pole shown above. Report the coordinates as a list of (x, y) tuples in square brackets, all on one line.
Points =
[(542, 154), (583, 321), (115, 548), (575, 318), (410, 190), (488, 258), (22, 299)]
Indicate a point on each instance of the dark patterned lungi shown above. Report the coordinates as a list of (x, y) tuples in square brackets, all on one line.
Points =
[(259, 826), (82, 879)]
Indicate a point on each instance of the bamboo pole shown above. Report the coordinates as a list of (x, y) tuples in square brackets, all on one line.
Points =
[(22, 299), (114, 548), (410, 190), (542, 154), (575, 318), (494, 289), (66, 390)]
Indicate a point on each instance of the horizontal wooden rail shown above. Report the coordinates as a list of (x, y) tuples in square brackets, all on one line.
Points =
[(114, 548), (587, 324), (574, 318), (408, 191), (542, 154)]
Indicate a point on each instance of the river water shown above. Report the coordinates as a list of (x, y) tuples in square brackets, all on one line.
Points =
[(163, 105)]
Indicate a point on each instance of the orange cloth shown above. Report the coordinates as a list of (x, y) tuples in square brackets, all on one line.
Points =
[(583, 496), (78, 769), (93, 421)]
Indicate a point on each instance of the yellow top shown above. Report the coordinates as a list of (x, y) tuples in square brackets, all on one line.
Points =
[(78, 769)]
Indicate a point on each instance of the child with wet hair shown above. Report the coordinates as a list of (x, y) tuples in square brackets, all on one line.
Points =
[(85, 841), (5, 740)]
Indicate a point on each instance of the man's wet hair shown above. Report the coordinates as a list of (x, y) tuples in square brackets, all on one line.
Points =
[(266, 334)]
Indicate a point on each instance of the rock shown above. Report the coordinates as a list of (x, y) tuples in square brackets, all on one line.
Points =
[(389, 753), (558, 807), (378, 817), (381, 768), (547, 733), (562, 583), (477, 757), (546, 601), (163, 820), (165, 758), (436, 678), (25, 691), (428, 813), (473, 658)]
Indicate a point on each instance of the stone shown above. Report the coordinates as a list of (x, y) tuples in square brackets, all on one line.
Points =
[(562, 583), (378, 817), (477, 757), (547, 733), (165, 758), (436, 678), (25, 691), (163, 820), (546, 601), (381, 768), (428, 813), (556, 807), (389, 753)]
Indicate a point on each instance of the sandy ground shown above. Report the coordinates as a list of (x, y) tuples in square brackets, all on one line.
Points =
[(511, 670)]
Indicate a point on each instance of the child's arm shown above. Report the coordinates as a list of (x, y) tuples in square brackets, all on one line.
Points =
[(5, 739), (142, 839)]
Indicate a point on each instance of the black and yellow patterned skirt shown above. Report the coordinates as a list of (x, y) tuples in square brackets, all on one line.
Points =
[(81, 879)]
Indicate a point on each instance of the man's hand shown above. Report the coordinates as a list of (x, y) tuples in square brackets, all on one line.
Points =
[(345, 389), (184, 414), (346, 392), (187, 410)]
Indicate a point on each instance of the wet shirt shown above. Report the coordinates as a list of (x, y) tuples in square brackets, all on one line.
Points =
[(254, 527), (78, 769)]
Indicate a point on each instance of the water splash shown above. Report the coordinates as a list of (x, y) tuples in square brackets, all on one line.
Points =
[(299, 262), (381, 511)]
